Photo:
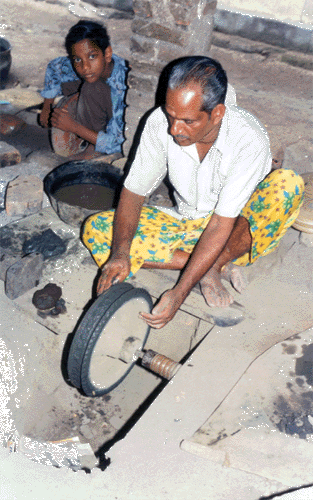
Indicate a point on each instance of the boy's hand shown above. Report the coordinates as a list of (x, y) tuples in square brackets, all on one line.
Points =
[(44, 118), (61, 119)]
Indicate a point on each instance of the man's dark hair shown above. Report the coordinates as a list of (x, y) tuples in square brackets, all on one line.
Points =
[(205, 71), (94, 32)]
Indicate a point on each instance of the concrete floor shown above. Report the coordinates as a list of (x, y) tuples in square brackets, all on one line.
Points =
[(149, 462)]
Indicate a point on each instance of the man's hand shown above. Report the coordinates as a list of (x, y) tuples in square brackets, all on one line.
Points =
[(165, 309), (61, 119), (116, 269)]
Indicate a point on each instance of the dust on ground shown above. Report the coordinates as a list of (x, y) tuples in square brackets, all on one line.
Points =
[(278, 94)]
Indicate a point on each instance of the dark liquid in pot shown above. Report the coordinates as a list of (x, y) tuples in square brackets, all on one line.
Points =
[(91, 196)]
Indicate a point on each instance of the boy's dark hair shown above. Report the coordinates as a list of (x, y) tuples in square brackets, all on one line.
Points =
[(94, 32), (205, 71)]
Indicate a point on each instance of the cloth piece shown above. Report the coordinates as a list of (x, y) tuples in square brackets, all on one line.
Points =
[(91, 107), (272, 208), (66, 143), (224, 181), (94, 106), (60, 74), (70, 88)]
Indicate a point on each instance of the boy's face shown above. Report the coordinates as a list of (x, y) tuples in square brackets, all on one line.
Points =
[(89, 61)]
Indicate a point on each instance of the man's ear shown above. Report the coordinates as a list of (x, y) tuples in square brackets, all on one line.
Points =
[(218, 113), (108, 54)]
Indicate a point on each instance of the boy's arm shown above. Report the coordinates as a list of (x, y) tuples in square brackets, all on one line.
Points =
[(58, 71), (61, 119), (45, 113), (110, 141)]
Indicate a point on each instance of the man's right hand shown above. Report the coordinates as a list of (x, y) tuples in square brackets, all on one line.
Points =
[(115, 270), (125, 224)]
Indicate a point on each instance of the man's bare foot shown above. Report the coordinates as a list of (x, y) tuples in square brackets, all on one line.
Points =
[(213, 291), (235, 275)]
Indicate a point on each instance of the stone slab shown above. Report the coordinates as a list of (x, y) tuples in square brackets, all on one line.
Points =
[(214, 368), (40, 169), (262, 414), (20, 97), (299, 156), (6, 260), (14, 234), (23, 275), (157, 281), (262, 29), (24, 196), (9, 155)]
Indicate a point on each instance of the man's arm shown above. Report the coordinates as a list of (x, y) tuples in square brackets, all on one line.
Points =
[(206, 252), (124, 227)]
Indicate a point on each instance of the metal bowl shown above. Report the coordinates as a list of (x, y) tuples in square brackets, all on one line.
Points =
[(5, 60), (80, 172)]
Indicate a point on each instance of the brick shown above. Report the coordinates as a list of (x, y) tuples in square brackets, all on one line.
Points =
[(201, 30), (140, 82), (7, 259), (159, 32), (23, 275), (142, 45), (142, 8), (24, 195), (168, 52), (10, 124), (9, 155), (210, 7), (181, 14)]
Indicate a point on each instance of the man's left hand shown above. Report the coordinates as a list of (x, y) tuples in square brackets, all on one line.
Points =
[(164, 311)]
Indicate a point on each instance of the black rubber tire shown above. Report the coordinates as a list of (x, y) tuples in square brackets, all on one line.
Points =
[(89, 331), (86, 328), (88, 387)]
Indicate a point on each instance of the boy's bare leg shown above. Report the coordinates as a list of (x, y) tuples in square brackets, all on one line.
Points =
[(211, 285)]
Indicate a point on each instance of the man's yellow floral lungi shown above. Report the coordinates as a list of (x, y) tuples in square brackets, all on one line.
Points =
[(271, 210)]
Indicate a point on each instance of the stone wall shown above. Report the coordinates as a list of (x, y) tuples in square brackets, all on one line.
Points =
[(164, 30), (291, 12)]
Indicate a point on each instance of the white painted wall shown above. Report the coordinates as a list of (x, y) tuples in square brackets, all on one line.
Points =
[(288, 11)]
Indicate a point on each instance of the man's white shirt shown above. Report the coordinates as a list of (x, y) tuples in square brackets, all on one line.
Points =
[(238, 160)]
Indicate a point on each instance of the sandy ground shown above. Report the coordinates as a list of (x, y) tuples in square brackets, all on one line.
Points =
[(36, 31), (280, 95)]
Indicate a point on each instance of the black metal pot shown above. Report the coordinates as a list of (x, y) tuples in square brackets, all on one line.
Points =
[(80, 172), (5, 60)]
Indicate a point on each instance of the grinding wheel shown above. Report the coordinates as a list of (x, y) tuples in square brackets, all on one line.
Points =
[(304, 221), (105, 345)]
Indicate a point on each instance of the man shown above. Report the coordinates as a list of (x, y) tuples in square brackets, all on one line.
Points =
[(215, 156)]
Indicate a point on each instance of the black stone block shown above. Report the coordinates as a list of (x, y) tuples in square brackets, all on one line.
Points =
[(23, 275)]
